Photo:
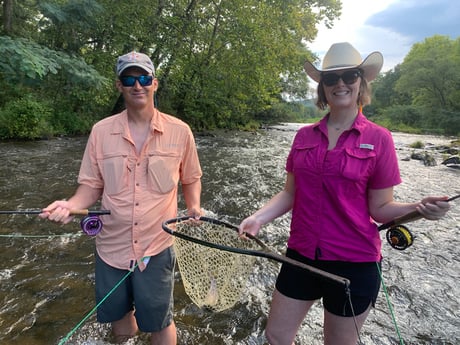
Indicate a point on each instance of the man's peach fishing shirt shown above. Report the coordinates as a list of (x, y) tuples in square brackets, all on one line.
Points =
[(139, 190)]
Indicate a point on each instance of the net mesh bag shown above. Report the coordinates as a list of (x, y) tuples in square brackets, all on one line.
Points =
[(212, 278)]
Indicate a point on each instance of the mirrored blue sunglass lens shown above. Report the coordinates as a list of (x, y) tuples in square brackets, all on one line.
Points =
[(128, 81), (144, 80)]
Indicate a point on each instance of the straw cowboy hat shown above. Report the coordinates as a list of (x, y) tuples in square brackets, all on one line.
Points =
[(342, 56)]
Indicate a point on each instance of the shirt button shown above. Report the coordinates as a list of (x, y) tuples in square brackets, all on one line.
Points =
[(137, 204), (135, 241)]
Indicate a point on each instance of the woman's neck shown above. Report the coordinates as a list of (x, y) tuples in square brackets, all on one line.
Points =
[(342, 119)]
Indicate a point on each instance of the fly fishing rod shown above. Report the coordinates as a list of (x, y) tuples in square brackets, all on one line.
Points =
[(84, 212), (398, 235), (91, 224)]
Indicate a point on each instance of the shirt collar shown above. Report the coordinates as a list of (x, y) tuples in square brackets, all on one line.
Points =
[(358, 124), (156, 124), (122, 125)]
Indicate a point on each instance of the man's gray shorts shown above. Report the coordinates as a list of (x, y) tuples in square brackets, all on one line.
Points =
[(149, 293)]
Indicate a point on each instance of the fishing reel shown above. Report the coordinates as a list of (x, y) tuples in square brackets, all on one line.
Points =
[(91, 225), (399, 237)]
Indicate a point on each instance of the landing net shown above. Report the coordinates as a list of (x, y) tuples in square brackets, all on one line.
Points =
[(212, 278)]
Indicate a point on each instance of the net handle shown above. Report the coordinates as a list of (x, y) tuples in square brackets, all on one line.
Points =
[(266, 253)]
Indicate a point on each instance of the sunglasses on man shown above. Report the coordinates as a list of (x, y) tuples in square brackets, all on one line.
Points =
[(348, 77), (129, 80)]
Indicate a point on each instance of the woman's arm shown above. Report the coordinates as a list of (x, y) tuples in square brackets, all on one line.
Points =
[(383, 208), (277, 206)]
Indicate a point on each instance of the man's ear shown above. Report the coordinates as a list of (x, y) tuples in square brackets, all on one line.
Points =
[(118, 85), (155, 84)]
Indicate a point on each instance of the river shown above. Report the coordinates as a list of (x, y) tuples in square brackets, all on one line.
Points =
[(47, 271)]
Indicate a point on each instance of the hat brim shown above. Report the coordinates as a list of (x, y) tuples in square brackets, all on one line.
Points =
[(370, 66), (134, 64)]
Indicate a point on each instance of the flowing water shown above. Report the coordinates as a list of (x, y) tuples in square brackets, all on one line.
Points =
[(47, 271)]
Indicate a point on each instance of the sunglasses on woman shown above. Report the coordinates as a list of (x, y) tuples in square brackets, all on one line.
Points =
[(129, 80), (348, 77)]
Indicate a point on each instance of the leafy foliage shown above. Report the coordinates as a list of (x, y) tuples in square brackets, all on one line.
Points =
[(25, 118), (430, 72), (219, 62), (422, 93)]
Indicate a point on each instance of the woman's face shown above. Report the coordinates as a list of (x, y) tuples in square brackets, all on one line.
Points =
[(341, 88)]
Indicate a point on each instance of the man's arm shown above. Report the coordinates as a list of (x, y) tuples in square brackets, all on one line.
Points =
[(192, 197), (84, 197)]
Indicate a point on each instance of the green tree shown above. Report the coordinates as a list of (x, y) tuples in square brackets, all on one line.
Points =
[(384, 91), (233, 63), (220, 63), (430, 73), (421, 94)]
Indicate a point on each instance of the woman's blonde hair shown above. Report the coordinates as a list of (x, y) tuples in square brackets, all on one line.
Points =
[(364, 97)]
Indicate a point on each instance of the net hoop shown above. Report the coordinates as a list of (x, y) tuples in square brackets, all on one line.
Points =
[(265, 252), (166, 228)]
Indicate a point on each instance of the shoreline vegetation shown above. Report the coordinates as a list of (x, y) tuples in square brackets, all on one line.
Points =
[(440, 149), (452, 149), (220, 65)]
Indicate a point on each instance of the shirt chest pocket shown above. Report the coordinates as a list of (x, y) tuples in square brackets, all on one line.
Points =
[(163, 172), (357, 164), (304, 158), (115, 173)]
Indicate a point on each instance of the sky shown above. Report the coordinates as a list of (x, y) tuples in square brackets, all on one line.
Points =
[(389, 26)]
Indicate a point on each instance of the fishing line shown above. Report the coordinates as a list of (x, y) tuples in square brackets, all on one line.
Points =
[(399, 237), (92, 311), (39, 236), (387, 297)]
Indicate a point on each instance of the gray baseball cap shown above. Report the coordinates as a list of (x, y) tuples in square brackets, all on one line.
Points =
[(135, 59)]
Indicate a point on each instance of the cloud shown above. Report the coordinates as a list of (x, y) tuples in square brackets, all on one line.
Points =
[(419, 19), (389, 26), (391, 44)]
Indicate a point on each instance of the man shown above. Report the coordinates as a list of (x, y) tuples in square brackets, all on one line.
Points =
[(133, 162)]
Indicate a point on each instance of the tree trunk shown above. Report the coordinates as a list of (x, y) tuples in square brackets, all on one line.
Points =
[(8, 16)]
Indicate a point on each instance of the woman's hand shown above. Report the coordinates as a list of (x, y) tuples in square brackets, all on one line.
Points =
[(250, 225), (433, 207)]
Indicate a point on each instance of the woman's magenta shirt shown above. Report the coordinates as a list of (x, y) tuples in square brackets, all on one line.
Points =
[(330, 215)]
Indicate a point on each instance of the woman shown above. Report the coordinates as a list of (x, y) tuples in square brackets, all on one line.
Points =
[(340, 177)]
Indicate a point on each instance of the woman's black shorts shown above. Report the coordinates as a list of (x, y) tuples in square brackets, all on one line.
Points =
[(298, 283)]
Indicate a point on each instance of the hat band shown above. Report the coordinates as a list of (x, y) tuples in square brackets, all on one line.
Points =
[(340, 66)]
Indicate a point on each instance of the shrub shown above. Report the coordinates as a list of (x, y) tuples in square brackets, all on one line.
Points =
[(25, 118), (417, 145)]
